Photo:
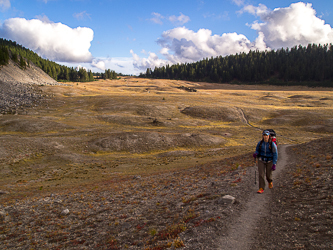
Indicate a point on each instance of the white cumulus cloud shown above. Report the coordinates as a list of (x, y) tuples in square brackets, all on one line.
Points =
[(294, 25), (182, 45), (258, 11), (187, 45), (43, 18), (54, 41), (151, 62), (122, 65), (81, 67), (100, 64)]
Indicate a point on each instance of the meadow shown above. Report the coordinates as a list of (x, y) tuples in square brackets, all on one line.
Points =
[(147, 164), (85, 133)]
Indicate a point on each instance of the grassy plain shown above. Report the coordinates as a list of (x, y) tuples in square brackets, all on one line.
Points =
[(86, 133)]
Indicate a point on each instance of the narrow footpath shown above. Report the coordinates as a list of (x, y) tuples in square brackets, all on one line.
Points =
[(241, 232)]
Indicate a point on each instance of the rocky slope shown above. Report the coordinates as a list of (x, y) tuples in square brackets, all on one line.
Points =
[(19, 88)]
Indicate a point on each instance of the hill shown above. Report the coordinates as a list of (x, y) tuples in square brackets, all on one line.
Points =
[(13, 73), (18, 86), (23, 56)]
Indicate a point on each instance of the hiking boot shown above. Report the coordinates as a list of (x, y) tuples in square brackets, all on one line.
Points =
[(260, 191), (270, 185)]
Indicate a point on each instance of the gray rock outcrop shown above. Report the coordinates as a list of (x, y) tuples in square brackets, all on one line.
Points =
[(19, 87)]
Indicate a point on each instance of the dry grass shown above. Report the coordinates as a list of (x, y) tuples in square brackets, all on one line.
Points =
[(90, 132)]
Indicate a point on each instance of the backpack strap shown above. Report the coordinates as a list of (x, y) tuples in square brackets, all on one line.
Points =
[(260, 148), (270, 146)]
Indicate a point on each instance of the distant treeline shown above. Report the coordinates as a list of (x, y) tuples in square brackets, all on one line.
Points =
[(23, 57), (311, 65)]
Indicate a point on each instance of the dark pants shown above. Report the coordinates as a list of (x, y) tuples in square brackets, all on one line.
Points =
[(264, 167)]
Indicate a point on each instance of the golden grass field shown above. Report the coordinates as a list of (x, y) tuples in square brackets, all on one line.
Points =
[(86, 133)]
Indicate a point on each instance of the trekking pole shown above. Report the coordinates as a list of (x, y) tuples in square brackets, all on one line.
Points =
[(255, 172)]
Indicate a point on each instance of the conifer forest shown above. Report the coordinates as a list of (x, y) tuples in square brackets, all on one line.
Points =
[(23, 57), (310, 65)]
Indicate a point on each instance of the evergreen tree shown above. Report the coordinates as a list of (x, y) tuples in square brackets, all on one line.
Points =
[(23, 64), (91, 76), (14, 57), (4, 56), (298, 64)]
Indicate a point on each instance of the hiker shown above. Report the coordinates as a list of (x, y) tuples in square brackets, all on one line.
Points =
[(267, 154)]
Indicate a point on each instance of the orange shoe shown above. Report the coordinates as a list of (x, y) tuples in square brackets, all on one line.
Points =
[(260, 191), (270, 185)]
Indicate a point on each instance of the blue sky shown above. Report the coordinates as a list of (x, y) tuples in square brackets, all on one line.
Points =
[(130, 35)]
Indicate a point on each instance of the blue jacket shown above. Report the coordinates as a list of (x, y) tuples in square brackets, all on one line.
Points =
[(267, 154)]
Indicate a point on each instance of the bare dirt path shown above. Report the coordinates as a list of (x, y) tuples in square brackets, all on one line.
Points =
[(246, 121), (241, 231)]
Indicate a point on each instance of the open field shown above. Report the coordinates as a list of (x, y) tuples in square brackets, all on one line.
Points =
[(144, 164), (87, 132)]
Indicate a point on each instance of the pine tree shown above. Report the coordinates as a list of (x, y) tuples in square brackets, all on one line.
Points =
[(4, 56), (14, 57), (23, 64)]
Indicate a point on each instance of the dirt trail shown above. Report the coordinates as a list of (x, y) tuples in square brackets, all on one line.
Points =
[(241, 231), (246, 121)]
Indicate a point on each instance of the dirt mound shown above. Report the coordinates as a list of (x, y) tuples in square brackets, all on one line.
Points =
[(155, 110), (325, 99), (125, 120), (151, 141), (327, 127), (145, 110), (294, 118), (300, 97), (218, 113), (30, 125), (270, 96)]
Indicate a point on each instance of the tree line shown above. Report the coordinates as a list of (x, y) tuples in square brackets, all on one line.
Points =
[(23, 57), (309, 65)]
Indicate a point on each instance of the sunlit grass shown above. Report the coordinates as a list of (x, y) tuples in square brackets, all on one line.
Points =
[(61, 154)]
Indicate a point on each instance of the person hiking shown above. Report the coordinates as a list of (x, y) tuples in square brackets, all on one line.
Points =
[(267, 154)]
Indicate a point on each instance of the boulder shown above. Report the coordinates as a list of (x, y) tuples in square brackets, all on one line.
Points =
[(227, 199)]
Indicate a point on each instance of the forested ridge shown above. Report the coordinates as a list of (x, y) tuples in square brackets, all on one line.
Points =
[(23, 57), (310, 65)]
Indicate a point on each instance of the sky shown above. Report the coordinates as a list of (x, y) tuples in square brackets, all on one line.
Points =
[(129, 36)]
